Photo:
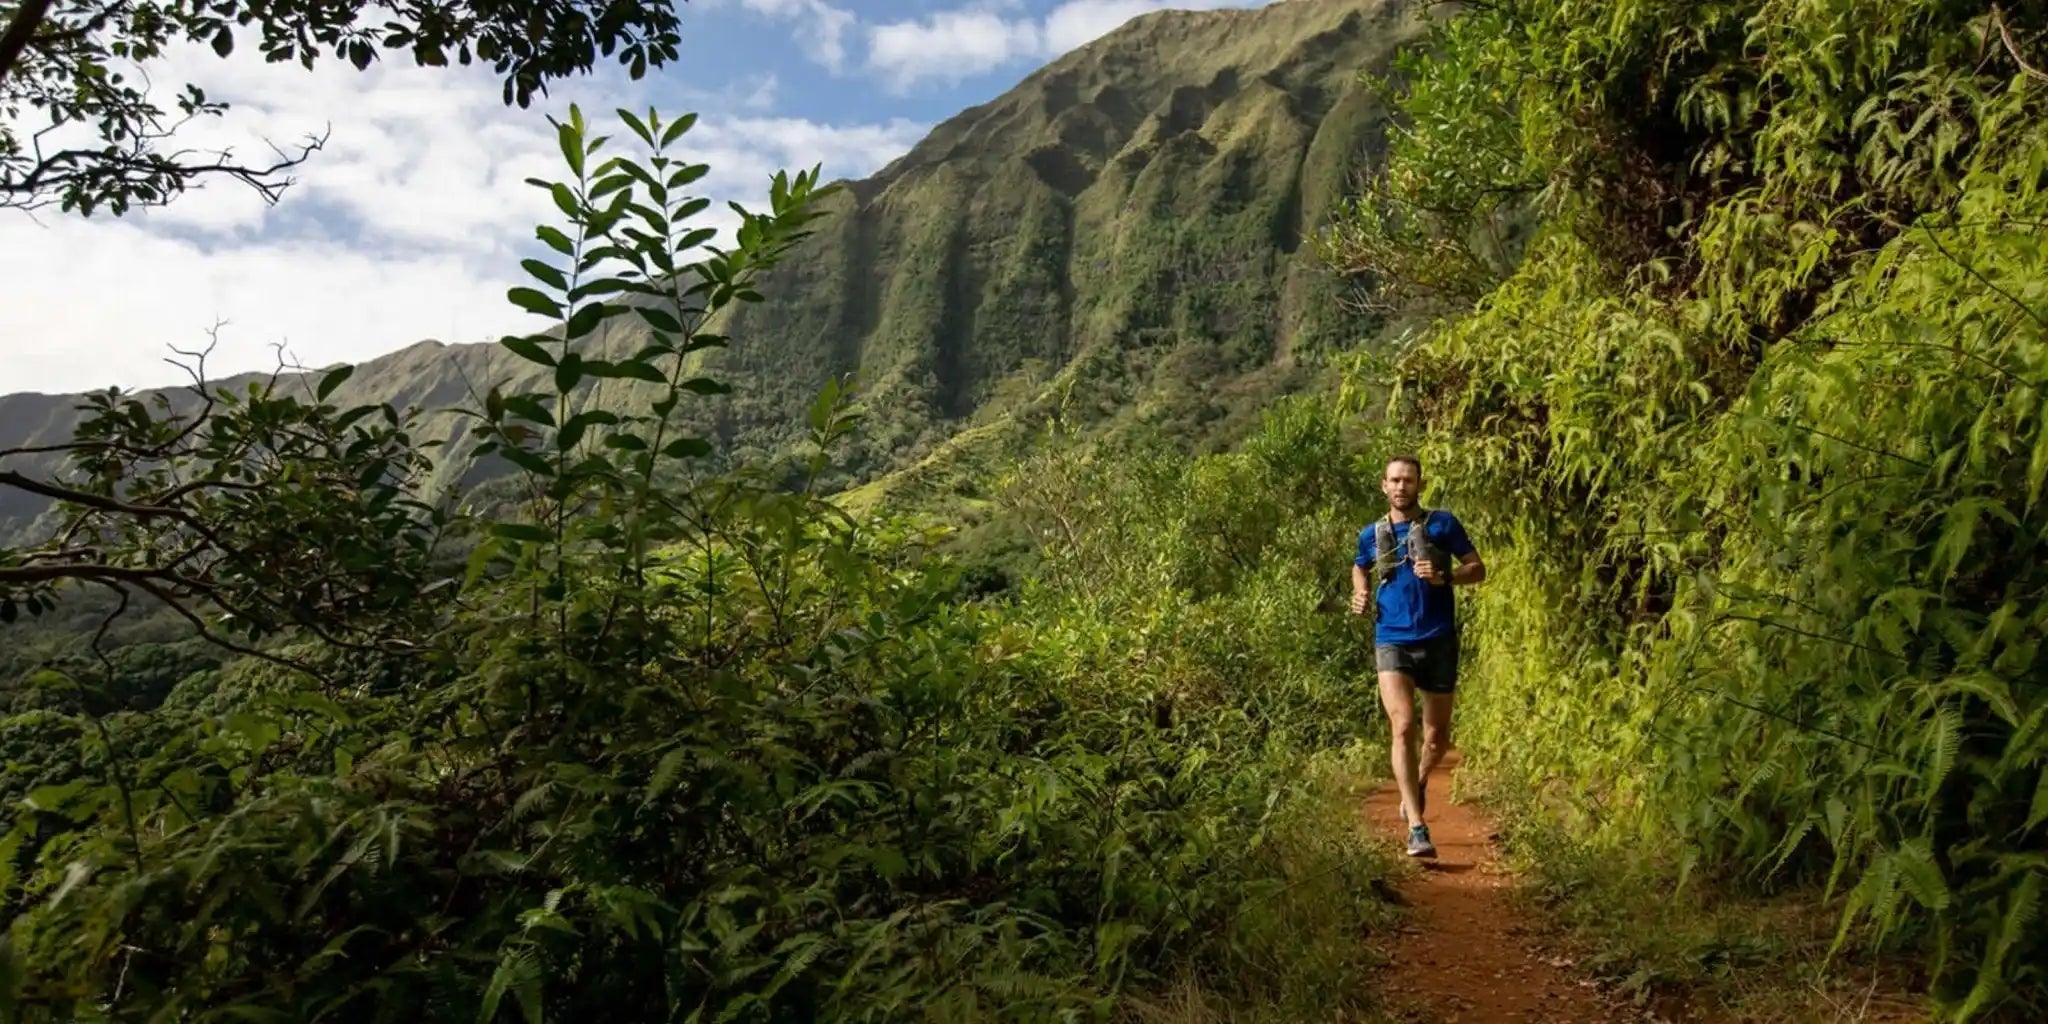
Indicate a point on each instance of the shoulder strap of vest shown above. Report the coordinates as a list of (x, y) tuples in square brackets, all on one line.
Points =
[(1418, 531), (1385, 561), (1383, 549), (1386, 522)]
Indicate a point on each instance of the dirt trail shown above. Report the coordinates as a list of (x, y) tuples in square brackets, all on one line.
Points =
[(1464, 957)]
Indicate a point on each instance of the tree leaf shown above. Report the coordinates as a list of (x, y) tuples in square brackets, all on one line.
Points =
[(602, 286), (677, 128), (586, 319), (660, 319), (687, 448), (528, 461), (573, 431), (527, 349), (546, 274), (569, 373), (528, 407), (555, 239), (333, 379), (638, 126), (569, 136), (565, 200), (639, 370), (533, 301), (687, 174), (609, 184)]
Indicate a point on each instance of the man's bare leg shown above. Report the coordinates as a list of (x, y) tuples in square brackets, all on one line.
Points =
[(1436, 735), (1397, 695)]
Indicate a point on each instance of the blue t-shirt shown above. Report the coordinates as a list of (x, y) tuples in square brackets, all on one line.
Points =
[(1410, 610)]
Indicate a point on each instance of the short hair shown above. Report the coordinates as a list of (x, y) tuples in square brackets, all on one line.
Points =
[(1409, 459)]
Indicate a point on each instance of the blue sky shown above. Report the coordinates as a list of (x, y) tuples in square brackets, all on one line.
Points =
[(410, 223)]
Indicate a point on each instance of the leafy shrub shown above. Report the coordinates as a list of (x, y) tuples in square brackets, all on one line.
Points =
[(1757, 426)]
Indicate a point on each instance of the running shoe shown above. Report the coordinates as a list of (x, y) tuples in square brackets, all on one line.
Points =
[(1418, 842)]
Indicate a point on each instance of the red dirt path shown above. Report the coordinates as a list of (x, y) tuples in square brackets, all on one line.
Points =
[(1463, 957)]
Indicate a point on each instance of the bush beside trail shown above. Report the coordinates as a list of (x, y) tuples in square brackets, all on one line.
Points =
[(1741, 345)]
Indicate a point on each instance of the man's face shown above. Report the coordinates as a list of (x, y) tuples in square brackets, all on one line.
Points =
[(1402, 485)]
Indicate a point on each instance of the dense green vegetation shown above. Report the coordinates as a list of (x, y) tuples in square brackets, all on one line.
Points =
[(1753, 425), (1728, 327), (672, 746)]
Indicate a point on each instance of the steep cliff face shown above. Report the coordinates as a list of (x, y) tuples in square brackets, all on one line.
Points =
[(1129, 218), (1120, 237)]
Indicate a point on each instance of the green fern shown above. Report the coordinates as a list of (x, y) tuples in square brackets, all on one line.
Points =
[(519, 974)]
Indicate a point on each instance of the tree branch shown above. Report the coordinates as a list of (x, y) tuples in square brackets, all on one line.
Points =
[(27, 18), (91, 571), (85, 169), (2005, 33), (100, 502), (40, 449), (206, 633)]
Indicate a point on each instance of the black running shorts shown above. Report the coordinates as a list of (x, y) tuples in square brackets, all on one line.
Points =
[(1432, 663)]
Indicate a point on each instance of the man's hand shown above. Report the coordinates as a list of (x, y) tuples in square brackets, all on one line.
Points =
[(1358, 602), (1425, 569)]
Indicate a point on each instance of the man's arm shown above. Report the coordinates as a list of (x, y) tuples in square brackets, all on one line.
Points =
[(1360, 587), (1469, 569)]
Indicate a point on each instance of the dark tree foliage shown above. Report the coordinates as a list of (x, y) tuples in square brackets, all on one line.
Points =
[(82, 128)]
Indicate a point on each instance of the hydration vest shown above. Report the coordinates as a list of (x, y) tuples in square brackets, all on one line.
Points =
[(1385, 561)]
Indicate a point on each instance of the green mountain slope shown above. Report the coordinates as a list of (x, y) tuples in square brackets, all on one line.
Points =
[(1117, 239)]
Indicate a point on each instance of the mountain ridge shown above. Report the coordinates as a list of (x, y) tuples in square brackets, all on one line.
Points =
[(1121, 233)]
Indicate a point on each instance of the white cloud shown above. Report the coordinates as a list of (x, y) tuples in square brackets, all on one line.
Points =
[(950, 46), (105, 303), (821, 26), (759, 92), (407, 226), (1080, 22)]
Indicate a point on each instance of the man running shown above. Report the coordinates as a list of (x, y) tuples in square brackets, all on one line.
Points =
[(1415, 627)]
